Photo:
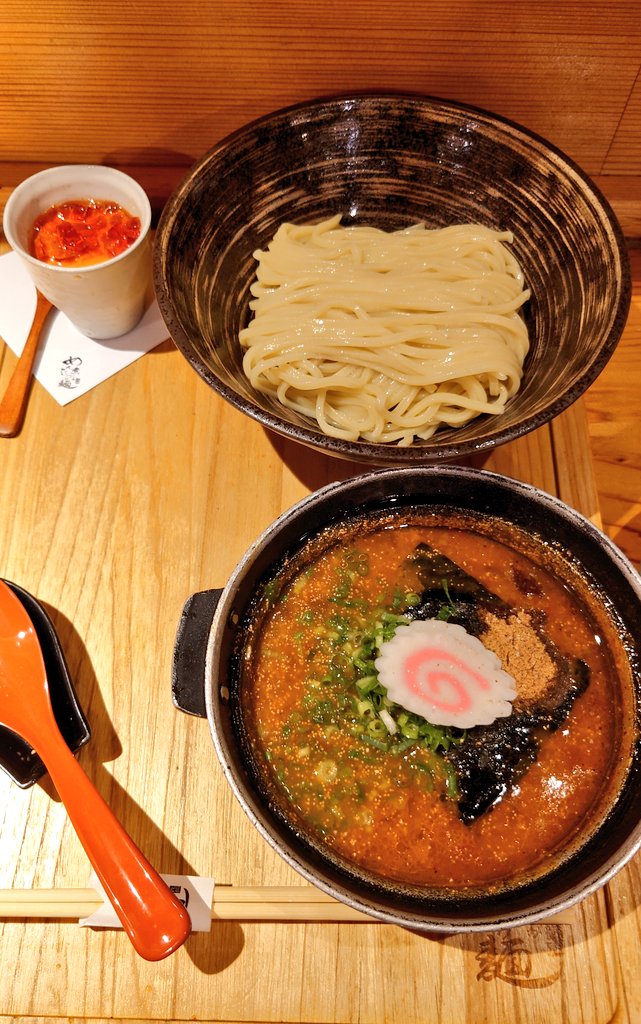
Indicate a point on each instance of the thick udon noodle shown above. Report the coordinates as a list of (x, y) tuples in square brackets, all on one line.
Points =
[(387, 336)]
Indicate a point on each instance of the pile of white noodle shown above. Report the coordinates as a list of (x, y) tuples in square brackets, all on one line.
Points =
[(386, 336)]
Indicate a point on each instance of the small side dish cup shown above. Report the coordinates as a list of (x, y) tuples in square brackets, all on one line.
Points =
[(104, 300)]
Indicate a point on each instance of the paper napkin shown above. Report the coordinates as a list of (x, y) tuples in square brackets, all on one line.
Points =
[(68, 363)]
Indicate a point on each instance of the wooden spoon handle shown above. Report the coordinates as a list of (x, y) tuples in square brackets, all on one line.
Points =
[(154, 919), (14, 403)]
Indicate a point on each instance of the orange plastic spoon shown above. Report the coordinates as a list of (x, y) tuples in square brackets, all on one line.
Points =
[(155, 921)]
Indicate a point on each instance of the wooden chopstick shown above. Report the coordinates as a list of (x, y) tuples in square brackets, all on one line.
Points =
[(231, 903)]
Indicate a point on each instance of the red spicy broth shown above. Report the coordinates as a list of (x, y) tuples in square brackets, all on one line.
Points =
[(395, 814)]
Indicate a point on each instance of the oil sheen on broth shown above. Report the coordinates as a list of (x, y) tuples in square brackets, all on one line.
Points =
[(390, 802)]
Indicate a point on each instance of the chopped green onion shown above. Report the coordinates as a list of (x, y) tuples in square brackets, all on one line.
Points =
[(365, 709), (344, 692), (373, 741), (388, 721)]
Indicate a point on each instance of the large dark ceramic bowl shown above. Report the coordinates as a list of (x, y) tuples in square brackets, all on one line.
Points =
[(206, 681), (392, 160)]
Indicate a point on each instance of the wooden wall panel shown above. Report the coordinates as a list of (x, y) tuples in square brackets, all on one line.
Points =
[(158, 82), (624, 156), (153, 84)]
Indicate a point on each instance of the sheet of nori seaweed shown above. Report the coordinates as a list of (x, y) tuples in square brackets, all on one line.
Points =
[(492, 758)]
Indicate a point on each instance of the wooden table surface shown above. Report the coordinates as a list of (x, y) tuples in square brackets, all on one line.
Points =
[(113, 511)]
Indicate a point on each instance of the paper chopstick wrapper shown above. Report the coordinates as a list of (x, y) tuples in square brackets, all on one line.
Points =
[(195, 894), (68, 363)]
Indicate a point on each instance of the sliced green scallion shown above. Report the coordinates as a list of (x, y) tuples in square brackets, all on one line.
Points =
[(346, 693)]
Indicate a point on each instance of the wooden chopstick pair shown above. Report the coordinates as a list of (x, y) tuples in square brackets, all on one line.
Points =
[(231, 903)]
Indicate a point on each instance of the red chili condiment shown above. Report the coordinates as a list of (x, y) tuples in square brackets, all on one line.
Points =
[(82, 232)]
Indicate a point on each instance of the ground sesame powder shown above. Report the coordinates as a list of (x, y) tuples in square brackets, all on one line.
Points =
[(522, 653)]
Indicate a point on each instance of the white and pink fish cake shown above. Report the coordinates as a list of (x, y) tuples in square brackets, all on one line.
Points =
[(438, 670)]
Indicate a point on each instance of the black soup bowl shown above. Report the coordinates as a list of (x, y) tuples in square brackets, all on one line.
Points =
[(389, 161), (216, 624)]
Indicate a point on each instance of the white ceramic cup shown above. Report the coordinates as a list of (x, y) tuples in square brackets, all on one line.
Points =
[(104, 300)]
